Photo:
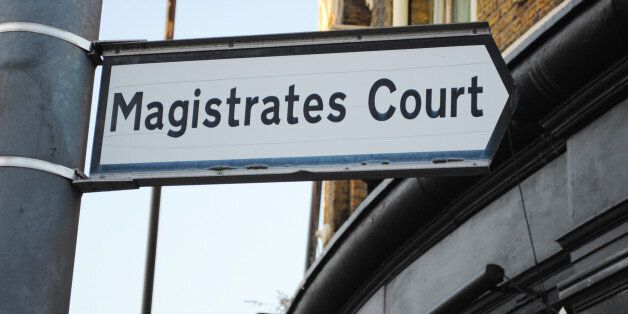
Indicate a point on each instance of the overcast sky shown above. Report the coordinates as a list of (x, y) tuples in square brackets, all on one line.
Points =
[(219, 246)]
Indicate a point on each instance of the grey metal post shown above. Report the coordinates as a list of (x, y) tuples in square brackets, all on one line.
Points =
[(315, 208), (151, 250), (155, 199), (45, 96)]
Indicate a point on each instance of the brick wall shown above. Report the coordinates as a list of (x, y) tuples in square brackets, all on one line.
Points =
[(341, 198), (509, 19), (356, 12), (420, 12)]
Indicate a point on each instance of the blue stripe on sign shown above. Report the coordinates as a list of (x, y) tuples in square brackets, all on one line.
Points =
[(288, 161)]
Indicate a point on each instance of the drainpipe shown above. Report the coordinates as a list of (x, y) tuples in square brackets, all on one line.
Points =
[(400, 12)]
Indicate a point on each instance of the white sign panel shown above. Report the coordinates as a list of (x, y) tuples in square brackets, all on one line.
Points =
[(367, 108)]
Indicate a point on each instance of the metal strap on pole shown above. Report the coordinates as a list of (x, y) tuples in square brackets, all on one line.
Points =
[(47, 30), (32, 163), (37, 164)]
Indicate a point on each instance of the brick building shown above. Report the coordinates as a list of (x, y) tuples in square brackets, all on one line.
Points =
[(552, 213)]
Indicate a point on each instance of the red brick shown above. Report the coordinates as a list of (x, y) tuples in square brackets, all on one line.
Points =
[(509, 20)]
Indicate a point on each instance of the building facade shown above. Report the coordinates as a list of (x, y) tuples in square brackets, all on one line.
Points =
[(552, 214)]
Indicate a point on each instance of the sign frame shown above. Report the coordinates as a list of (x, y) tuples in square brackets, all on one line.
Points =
[(135, 52)]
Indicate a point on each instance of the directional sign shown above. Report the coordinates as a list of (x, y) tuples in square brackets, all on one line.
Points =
[(351, 104)]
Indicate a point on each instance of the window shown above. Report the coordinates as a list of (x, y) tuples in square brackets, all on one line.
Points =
[(442, 11)]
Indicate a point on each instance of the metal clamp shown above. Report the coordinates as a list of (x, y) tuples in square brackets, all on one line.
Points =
[(37, 164), (47, 30)]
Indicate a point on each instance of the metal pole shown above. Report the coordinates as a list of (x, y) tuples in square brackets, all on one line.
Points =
[(171, 8), (155, 201), (45, 95), (315, 208), (151, 250)]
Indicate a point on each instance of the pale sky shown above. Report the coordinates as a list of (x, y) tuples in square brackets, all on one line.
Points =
[(219, 246)]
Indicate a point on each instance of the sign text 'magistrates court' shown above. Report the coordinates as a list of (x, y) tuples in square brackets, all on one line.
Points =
[(373, 103)]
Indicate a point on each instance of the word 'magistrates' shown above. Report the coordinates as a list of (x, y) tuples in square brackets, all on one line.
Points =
[(312, 106), (309, 108)]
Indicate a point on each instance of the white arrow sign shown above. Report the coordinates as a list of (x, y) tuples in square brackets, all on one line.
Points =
[(295, 107)]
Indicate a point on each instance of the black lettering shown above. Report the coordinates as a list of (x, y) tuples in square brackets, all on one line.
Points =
[(120, 103), (181, 122), (308, 108), (474, 90), (274, 110), (291, 98), (232, 101), (157, 115), (376, 114), (197, 93), (404, 104), (334, 105), (443, 103), (250, 101), (215, 114), (455, 93)]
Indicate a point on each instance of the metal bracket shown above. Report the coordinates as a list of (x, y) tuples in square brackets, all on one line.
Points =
[(47, 30), (37, 164)]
